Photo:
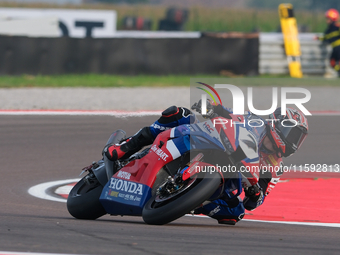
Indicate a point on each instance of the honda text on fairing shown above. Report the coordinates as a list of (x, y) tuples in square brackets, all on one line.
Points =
[(170, 178)]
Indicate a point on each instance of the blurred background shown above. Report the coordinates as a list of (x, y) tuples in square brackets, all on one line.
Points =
[(157, 37), (199, 15)]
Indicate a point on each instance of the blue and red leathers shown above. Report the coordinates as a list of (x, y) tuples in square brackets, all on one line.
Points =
[(226, 211)]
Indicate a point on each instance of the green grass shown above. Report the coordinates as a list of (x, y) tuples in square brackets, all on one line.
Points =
[(92, 80), (98, 80)]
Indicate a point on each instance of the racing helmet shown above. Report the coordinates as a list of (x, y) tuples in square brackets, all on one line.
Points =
[(287, 132), (332, 14)]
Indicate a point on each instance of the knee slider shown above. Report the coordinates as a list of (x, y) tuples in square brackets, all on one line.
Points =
[(172, 110), (174, 114)]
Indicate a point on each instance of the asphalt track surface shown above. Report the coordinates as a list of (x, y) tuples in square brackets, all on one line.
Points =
[(37, 149)]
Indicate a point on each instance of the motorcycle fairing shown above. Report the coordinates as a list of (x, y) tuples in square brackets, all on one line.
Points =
[(124, 197), (131, 187)]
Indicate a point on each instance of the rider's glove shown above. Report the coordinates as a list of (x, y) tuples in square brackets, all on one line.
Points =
[(210, 109), (254, 193), (106, 152)]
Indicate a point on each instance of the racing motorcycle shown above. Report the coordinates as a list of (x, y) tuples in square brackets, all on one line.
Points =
[(170, 178)]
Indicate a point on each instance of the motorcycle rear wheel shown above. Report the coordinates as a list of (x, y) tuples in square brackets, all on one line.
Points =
[(83, 200), (160, 213)]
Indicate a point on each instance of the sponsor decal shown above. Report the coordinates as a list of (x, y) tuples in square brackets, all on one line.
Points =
[(127, 186), (159, 152), (272, 159), (113, 193), (156, 126), (216, 210), (208, 128), (124, 175), (71, 23), (271, 186), (129, 197)]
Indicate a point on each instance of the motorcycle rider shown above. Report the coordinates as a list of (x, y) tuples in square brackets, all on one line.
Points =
[(274, 140)]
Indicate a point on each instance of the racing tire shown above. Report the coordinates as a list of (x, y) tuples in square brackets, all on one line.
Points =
[(83, 200), (160, 214)]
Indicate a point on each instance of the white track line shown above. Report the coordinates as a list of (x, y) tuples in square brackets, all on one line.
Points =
[(318, 224), (39, 191), (80, 113), (314, 224), (30, 253)]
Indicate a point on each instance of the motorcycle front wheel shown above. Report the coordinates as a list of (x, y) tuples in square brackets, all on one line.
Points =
[(83, 200), (156, 212)]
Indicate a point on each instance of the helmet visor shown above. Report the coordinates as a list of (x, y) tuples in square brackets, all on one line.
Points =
[(294, 135)]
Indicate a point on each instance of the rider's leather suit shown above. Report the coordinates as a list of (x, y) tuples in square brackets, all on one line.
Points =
[(270, 165)]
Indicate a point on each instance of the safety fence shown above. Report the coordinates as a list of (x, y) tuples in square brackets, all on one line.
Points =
[(314, 55), (208, 54), (160, 53)]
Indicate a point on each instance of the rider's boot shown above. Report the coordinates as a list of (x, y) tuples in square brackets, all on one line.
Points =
[(130, 146), (225, 213)]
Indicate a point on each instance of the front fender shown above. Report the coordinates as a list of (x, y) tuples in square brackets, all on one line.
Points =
[(100, 173)]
